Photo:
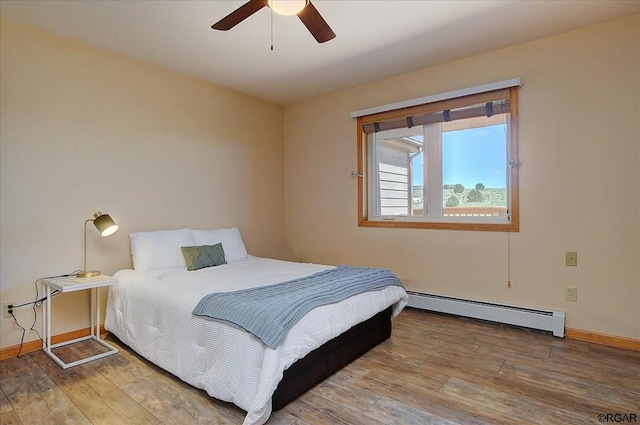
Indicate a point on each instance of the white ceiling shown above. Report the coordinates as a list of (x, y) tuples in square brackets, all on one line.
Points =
[(375, 39)]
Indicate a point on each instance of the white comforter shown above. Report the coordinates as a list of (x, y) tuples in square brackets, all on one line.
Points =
[(151, 313)]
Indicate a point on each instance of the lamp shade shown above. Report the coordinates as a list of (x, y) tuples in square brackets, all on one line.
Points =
[(105, 224), (287, 7)]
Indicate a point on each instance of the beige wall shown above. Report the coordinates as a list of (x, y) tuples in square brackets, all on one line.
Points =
[(84, 130), (579, 190)]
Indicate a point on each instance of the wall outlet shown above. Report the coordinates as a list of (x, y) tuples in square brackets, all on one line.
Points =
[(571, 258), (571, 293), (5, 308)]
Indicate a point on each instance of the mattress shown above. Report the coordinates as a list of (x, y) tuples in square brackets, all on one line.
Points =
[(150, 311)]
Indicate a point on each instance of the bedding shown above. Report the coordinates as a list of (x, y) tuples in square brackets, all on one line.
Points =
[(162, 249), (230, 239), (269, 312), (157, 250), (230, 364), (199, 257)]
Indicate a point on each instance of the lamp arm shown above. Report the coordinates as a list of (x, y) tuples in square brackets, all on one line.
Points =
[(84, 262)]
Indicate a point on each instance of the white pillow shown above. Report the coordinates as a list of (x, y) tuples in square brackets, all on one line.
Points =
[(160, 250), (232, 243)]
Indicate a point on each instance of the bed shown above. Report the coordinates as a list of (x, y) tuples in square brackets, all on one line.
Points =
[(150, 310)]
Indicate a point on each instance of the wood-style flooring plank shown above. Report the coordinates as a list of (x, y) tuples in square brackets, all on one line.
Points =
[(553, 399), (5, 406), (519, 409), (74, 385), (342, 392), (603, 361), (580, 388), (130, 412), (435, 369), (390, 411), (315, 409), (36, 398), (437, 403), (10, 418)]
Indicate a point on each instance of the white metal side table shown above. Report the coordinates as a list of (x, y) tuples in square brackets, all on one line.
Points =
[(71, 284)]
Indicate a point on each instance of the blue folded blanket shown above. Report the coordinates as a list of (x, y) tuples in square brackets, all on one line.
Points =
[(269, 312)]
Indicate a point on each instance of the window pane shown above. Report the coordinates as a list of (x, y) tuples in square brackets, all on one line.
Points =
[(441, 165), (394, 152), (417, 177), (474, 171)]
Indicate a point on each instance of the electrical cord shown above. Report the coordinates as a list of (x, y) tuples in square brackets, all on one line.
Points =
[(35, 303)]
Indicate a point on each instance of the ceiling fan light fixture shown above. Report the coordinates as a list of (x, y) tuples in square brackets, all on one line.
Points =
[(287, 7), (304, 9)]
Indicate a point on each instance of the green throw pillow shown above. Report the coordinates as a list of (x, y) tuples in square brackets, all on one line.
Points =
[(199, 257)]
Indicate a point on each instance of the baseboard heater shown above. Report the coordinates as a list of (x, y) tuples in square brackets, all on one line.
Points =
[(551, 321)]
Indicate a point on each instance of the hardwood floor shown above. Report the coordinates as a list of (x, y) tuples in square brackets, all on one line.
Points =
[(434, 370)]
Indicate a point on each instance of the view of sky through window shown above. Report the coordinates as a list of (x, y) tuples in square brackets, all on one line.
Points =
[(471, 156)]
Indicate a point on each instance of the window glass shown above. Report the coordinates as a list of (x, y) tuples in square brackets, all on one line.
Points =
[(453, 169)]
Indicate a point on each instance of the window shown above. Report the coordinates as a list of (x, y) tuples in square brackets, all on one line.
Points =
[(450, 163)]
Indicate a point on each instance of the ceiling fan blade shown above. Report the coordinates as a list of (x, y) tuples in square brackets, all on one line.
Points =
[(239, 15), (316, 24)]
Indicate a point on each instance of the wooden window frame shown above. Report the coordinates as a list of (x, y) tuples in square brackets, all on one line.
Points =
[(513, 164)]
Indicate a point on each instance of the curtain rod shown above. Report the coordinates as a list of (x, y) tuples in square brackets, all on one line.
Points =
[(440, 96)]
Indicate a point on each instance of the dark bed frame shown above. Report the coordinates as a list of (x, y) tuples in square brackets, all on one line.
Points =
[(321, 363)]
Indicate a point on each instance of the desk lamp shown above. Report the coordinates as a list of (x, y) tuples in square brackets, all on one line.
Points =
[(106, 226)]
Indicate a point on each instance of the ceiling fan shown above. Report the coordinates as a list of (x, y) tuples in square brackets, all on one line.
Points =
[(305, 10)]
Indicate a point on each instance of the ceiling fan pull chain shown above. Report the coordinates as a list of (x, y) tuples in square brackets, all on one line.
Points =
[(271, 30)]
